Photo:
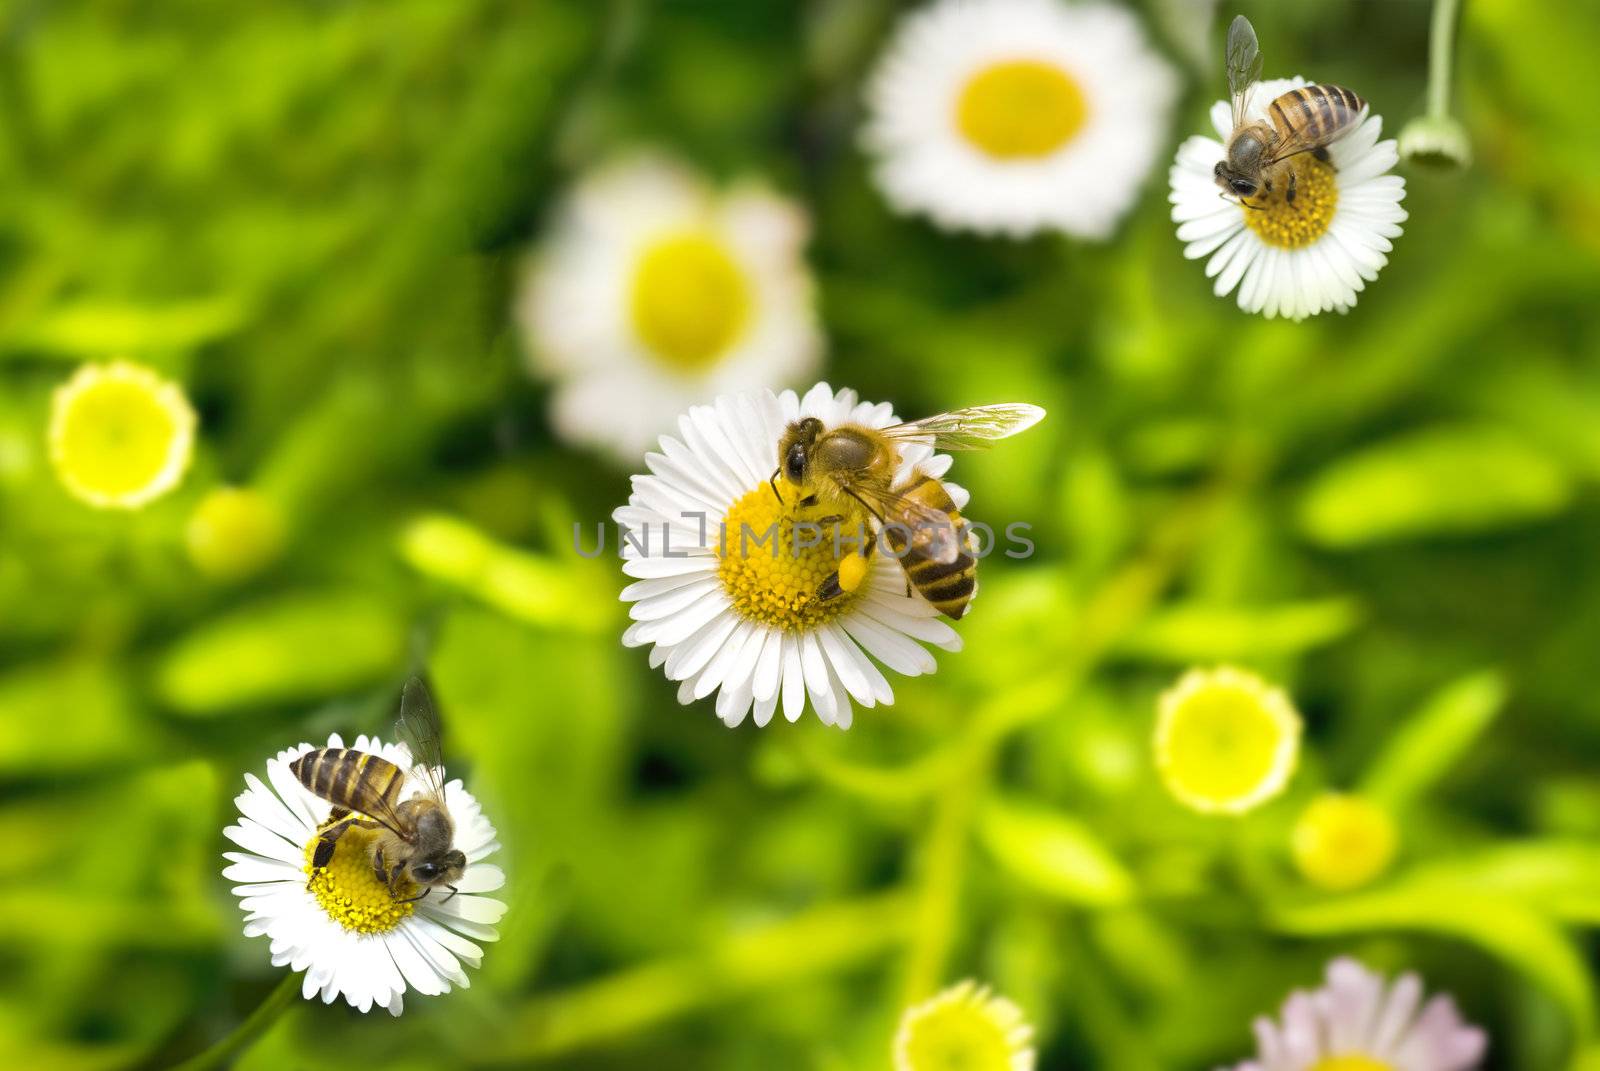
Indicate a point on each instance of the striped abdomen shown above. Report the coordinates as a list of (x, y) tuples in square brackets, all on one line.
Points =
[(948, 585), (1314, 114), (354, 780)]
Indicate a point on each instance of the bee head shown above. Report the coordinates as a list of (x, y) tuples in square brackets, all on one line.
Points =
[(443, 869), (1233, 182), (796, 448)]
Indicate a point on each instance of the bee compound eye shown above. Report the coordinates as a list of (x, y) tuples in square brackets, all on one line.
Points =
[(425, 871)]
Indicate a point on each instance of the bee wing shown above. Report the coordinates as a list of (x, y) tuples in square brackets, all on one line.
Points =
[(929, 531), (1244, 65), (973, 428), (419, 728)]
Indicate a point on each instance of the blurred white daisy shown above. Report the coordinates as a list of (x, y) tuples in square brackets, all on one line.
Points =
[(1357, 1022), (965, 1027), (1017, 116), (655, 291), (1292, 258), (726, 614), (339, 923)]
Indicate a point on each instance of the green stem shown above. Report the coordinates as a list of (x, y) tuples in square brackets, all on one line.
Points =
[(221, 1054), (1441, 56)]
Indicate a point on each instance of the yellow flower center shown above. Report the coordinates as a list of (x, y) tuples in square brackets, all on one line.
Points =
[(775, 557), (690, 300), (348, 889), (1291, 224), (1225, 741), (1351, 1062), (120, 435), (1020, 109), (962, 1030), (1342, 842)]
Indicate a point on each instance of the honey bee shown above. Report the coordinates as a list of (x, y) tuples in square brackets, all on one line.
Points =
[(1305, 119), (415, 842), (855, 465)]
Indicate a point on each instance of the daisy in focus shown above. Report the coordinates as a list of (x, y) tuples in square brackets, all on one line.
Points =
[(308, 874), (1293, 202), (1018, 116), (654, 291), (767, 590), (1359, 1022), (1225, 740), (120, 435), (965, 1027)]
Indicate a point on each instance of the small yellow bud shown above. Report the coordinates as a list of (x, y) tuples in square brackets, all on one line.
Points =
[(1343, 842), (233, 533)]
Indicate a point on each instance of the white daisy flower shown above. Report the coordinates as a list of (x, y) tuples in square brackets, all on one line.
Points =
[(966, 1027), (726, 614), (654, 291), (1017, 116), (1357, 1022), (339, 923), (1299, 258)]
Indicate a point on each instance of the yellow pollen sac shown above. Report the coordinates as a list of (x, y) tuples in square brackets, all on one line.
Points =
[(1020, 109), (350, 892), (1292, 224), (1352, 1062), (690, 300), (772, 571)]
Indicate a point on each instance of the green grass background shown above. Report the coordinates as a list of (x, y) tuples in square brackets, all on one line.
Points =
[(313, 214)]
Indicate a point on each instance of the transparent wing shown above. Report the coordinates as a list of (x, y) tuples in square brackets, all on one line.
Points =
[(1244, 65), (969, 429), (927, 530), (419, 729)]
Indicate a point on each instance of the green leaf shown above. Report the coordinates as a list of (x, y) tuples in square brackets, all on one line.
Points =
[(1054, 854), (1432, 741), (95, 329), (1195, 633), (1441, 481), (291, 648), (1501, 925), (538, 589)]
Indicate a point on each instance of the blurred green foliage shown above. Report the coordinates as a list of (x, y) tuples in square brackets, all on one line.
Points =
[(312, 214)]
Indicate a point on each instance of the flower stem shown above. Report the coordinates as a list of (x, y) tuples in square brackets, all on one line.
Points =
[(221, 1054), (1441, 55)]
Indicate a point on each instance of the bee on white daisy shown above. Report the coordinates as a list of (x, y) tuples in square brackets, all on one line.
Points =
[(121, 436), (1294, 205), (1359, 1022), (967, 1027), (655, 290), (766, 590), (353, 934), (1018, 116)]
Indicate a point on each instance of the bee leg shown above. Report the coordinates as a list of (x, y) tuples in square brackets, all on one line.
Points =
[(808, 501), (1320, 153), (830, 588), (453, 891), (772, 481), (1289, 193), (322, 855)]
